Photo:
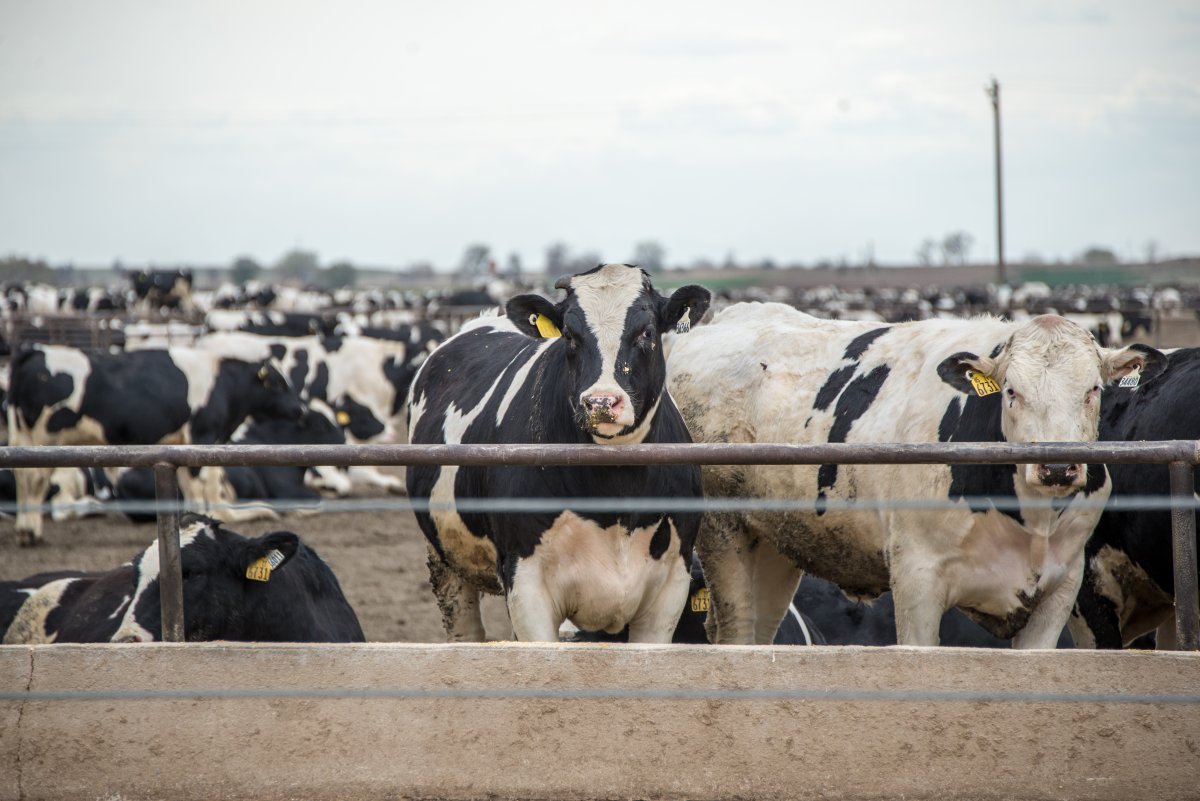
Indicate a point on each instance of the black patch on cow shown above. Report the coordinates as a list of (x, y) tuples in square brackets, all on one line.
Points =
[(399, 374), (299, 372), (320, 384), (979, 421), (62, 419), (278, 350), (363, 424), (332, 343), (858, 346), (949, 420), (661, 540), (833, 385), (851, 405), (34, 388)]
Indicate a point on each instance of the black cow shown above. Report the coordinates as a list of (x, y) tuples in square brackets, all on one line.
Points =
[(271, 588), (602, 381), (1129, 580), (65, 396)]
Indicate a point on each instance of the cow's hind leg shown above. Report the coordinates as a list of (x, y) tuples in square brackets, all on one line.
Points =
[(32, 483), (775, 581), (726, 553), (457, 600), (659, 616)]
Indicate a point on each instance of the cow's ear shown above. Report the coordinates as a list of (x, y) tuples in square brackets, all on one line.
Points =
[(969, 373), (1117, 363), (277, 548), (525, 310), (684, 308)]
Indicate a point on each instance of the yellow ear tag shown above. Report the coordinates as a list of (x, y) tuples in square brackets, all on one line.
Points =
[(260, 569), (984, 384), (700, 600), (546, 328), (262, 374), (343, 418)]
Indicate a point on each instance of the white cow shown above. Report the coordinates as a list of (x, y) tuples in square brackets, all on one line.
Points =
[(768, 373)]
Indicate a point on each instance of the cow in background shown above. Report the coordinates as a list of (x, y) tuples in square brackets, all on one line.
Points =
[(65, 396), (155, 290)]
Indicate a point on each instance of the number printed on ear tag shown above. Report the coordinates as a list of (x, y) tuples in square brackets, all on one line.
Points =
[(984, 385), (1132, 380)]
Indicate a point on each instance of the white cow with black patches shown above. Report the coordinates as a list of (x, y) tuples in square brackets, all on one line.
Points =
[(767, 373), (602, 381)]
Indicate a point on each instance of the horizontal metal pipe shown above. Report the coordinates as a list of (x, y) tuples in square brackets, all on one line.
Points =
[(598, 455)]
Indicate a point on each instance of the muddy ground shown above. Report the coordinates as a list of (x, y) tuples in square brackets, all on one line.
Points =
[(378, 556)]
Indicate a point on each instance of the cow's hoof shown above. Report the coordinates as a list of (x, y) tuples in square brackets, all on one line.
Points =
[(27, 539)]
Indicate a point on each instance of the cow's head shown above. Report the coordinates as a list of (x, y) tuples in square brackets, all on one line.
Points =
[(1048, 376), (611, 325), (216, 588), (270, 394)]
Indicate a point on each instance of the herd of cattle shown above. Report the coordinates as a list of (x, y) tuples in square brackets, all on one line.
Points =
[(959, 554)]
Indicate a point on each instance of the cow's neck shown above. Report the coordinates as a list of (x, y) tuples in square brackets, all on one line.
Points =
[(233, 392)]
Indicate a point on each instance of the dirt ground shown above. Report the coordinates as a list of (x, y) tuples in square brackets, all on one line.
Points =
[(378, 556)]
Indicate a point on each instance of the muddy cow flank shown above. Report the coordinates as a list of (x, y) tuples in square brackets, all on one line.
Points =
[(516, 380), (1002, 542)]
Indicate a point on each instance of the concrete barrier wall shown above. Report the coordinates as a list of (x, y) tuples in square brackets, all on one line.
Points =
[(621, 722)]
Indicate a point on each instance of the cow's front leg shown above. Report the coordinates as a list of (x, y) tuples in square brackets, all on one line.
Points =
[(775, 580), (920, 598), (534, 612), (32, 483), (1047, 621), (726, 553), (658, 617), (457, 600)]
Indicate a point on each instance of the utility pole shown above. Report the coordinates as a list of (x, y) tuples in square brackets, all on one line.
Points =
[(993, 92)]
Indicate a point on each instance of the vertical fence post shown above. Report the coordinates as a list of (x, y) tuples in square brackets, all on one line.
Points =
[(1183, 538), (170, 567)]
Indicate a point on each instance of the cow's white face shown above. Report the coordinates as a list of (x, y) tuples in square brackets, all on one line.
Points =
[(1050, 373), (612, 322)]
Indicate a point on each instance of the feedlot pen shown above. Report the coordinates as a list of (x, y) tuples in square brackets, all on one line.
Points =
[(553, 721)]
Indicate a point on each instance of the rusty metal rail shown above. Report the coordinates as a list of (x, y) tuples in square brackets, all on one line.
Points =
[(1180, 455)]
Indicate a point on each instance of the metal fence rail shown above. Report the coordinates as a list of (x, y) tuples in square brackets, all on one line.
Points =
[(1181, 457)]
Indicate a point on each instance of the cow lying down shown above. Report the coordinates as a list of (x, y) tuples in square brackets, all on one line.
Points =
[(271, 588)]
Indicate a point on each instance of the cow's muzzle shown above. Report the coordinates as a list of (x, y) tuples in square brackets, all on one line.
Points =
[(603, 408), (1060, 475)]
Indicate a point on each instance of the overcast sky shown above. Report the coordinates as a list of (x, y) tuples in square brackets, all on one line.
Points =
[(390, 133)]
